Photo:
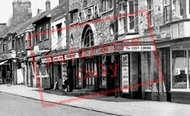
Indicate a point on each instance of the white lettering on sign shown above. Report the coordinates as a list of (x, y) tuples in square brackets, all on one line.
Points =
[(139, 48), (55, 59), (46, 60), (71, 56), (60, 58)]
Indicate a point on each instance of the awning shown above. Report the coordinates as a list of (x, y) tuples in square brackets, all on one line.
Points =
[(1, 63)]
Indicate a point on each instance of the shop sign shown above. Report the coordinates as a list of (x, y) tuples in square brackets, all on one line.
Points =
[(55, 59), (165, 32), (179, 47), (71, 56), (125, 73), (46, 60), (139, 48), (60, 58), (96, 51), (106, 49)]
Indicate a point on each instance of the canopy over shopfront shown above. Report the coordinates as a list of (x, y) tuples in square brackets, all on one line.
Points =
[(3, 62)]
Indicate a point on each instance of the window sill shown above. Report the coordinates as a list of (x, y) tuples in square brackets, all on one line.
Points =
[(74, 23), (88, 6), (46, 39), (39, 41), (104, 12)]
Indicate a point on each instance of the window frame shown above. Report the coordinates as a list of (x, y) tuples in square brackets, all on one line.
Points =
[(13, 43), (131, 14), (107, 5), (74, 17), (59, 34), (121, 19), (150, 11), (178, 13), (4, 46), (47, 31), (167, 13)]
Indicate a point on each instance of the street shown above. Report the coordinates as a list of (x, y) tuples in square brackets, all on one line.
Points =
[(11, 105)]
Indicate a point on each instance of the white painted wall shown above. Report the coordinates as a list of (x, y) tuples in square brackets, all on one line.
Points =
[(54, 35)]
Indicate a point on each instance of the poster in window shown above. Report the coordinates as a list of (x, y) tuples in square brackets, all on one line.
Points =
[(125, 74)]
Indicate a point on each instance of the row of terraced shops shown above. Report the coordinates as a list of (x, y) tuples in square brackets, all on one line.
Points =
[(120, 68)]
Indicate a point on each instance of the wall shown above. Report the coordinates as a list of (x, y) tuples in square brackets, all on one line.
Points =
[(54, 37), (100, 26)]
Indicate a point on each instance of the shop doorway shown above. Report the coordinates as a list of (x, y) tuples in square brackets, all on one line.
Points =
[(89, 78), (135, 79), (110, 65)]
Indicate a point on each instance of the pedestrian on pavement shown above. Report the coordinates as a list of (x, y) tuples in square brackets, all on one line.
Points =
[(64, 85), (8, 75)]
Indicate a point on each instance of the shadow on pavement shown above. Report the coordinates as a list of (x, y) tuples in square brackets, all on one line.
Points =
[(97, 97)]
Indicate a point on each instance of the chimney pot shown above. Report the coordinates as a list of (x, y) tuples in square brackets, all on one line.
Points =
[(48, 5)]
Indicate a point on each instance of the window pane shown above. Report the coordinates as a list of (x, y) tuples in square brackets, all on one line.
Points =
[(131, 19), (43, 69), (131, 7), (179, 67)]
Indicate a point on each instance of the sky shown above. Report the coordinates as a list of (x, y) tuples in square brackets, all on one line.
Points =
[(6, 8)]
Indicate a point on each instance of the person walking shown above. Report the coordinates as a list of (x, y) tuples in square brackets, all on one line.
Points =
[(8, 75), (64, 86)]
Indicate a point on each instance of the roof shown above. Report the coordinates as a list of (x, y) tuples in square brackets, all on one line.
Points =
[(21, 28)]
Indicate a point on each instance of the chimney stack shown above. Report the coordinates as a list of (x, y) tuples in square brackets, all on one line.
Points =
[(60, 1), (48, 7)]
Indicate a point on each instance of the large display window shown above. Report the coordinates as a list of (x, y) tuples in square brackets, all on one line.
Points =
[(180, 57)]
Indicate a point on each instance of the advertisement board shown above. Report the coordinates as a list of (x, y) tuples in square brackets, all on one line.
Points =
[(125, 73)]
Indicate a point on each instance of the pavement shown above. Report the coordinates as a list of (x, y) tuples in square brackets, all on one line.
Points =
[(108, 105)]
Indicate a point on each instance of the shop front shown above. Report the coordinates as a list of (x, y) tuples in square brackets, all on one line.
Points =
[(97, 69), (71, 69), (137, 69), (180, 71), (59, 71)]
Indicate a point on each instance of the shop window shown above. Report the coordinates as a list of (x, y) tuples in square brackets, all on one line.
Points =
[(43, 69), (179, 69), (166, 11)]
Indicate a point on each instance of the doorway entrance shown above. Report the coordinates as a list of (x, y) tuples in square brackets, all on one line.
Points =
[(90, 70)]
